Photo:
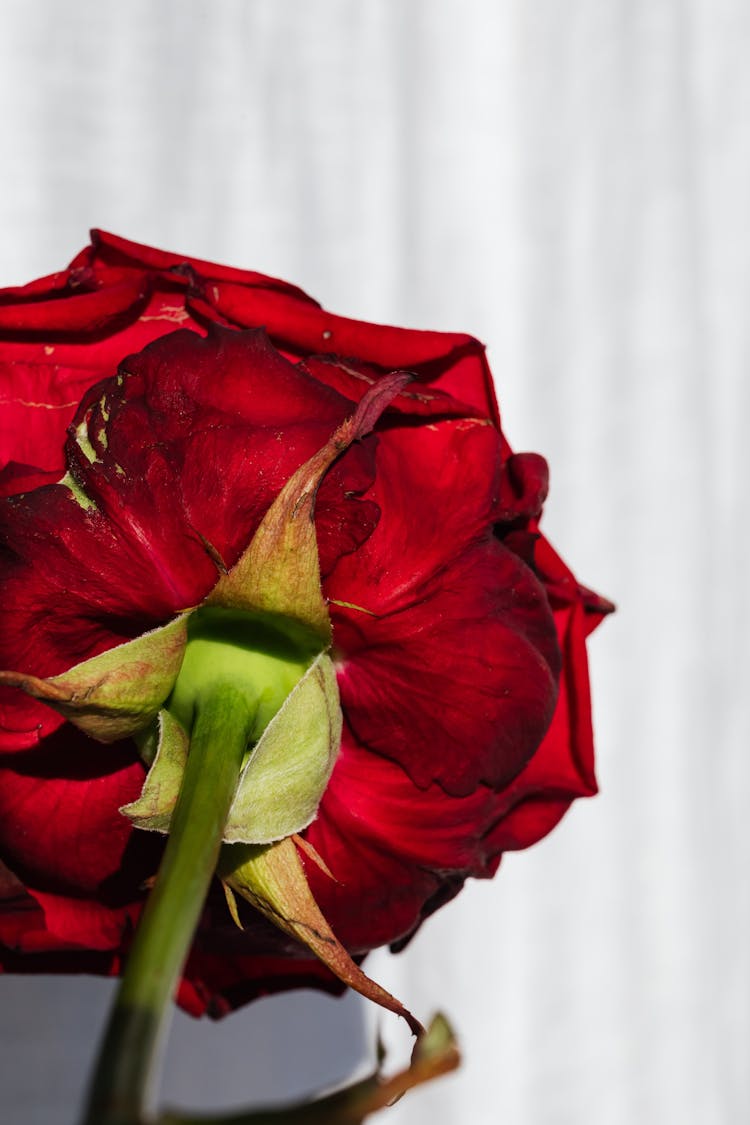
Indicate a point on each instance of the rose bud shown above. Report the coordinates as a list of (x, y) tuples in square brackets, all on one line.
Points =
[(204, 474)]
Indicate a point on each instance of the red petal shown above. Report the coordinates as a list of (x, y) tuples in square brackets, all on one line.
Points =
[(437, 489), (239, 373), (523, 490), (16, 478), (37, 402), (459, 686), (60, 830), (563, 766), (563, 589), (353, 379), (200, 439), (46, 286), (529, 821), (456, 362), (85, 923), (72, 313), (91, 355), (112, 588), (23, 721), (374, 897), (108, 250), (216, 983), (372, 802)]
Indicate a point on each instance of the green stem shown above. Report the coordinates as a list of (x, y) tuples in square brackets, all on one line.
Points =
[(134, 1035)]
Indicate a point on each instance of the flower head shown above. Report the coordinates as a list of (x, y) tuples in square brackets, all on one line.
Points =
[(155, 411)]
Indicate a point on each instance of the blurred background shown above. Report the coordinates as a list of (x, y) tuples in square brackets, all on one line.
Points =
[(570, 183)]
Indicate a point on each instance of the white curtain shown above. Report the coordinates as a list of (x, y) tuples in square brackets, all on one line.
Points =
[(569, 182)]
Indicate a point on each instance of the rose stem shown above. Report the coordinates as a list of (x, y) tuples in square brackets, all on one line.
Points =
[(132, 1042)]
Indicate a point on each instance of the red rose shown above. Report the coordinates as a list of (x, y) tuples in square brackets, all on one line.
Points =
[(458, 632)]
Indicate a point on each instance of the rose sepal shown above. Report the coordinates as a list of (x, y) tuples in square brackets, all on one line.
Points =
[(273, 880), (119, 692), (279, 572), (284, 775)]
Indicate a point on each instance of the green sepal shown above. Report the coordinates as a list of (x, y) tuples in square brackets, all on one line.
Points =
[(279, 573), (273, 879), (119, 692), (286, 774), (153, 809)]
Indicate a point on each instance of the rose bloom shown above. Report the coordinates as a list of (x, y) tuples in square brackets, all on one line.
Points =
[(458, 631)]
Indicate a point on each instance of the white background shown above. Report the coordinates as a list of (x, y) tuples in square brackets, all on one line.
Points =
[(569, 182)]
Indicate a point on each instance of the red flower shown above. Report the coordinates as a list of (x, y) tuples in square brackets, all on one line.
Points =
[(458, 632)]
